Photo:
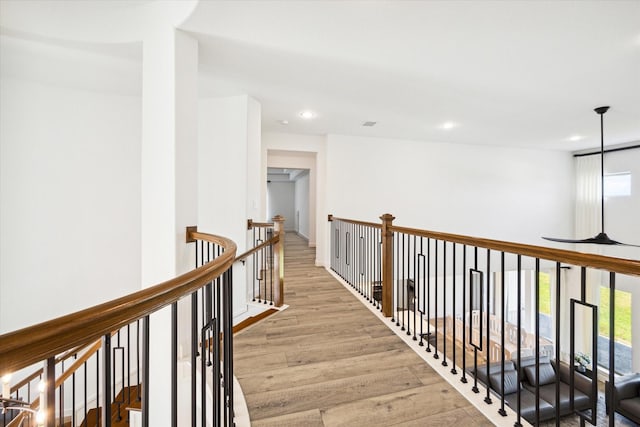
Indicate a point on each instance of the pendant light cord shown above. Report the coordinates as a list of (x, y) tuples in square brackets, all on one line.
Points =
[(602, 171)]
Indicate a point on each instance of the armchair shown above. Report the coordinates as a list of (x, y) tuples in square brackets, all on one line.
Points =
[(626, 397)]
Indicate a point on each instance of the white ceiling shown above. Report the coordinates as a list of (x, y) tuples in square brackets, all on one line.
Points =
[(524, 73), (527, 73), (285, 174)]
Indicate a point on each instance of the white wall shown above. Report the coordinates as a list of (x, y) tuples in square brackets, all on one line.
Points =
[(301, 210), (281, 196), (295, 151), (226, 183), (69, 200), (494, 192), (621, 223)]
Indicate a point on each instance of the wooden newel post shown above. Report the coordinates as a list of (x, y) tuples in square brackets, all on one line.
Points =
[(387, 265), (278, 261)]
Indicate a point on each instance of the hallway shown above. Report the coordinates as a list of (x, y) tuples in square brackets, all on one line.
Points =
[(328, 361)]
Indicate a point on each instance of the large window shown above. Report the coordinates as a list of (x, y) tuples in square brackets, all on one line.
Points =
[(622, 332), (617, 184), (546, 327)]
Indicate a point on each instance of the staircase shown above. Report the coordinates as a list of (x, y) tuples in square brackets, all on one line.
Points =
[(119, 412)]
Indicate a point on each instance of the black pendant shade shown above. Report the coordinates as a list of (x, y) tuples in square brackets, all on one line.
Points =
[(601, 238)]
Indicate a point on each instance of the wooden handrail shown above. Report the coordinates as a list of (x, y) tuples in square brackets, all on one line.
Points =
[(272, 241), (612, 264), (91, 350), (33, 344), (356, 222), (602, 262), (252, 224), (38, 372)]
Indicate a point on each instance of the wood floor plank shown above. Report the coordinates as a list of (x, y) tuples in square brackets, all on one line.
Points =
[(323, 394), (392, 408), (460, 416), (310, 418), (328, 361), (328, 370)]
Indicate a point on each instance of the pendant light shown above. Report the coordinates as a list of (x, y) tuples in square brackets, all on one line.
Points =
[(601, 238)]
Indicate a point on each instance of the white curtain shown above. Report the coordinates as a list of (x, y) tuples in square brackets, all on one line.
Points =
[(587, 224), (588, 188)]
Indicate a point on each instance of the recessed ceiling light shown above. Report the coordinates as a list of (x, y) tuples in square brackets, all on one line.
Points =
[(574, 138), (283, 122), (307, 114), (448, 125)]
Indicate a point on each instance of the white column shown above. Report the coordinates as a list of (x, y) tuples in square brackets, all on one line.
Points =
[(169, 183), (228, 175)]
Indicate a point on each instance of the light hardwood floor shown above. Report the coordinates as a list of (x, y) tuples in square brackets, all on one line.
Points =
[(328, 361)]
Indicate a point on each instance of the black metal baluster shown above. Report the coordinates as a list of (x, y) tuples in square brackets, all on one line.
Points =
[(86, 409), (428, 306), (352, 258), (453, 306), (106, 380), (138, 367), (347, 254), (420, 284), (502, 411), (435, 299), (537, 338), (209, 317), (145, 371), (487, 398), (228, 337), (217, 373), (368, 265), (519, 345), (379, 268), (174, 364), (203, 377), (253, 257), (557, 340), (49, 378), (270, 266), (271, 279), (371, 270), (444, 304), (128, 369), (406, 250), (475, 388), (612, 365), (415, 290), (97, 388), (356, 258), (73, 394), (464, 315), (202, 289), (194, 355), (60, 396), (403, 282)]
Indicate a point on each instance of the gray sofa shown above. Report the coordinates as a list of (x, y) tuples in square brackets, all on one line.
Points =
[(547, 393), (626, 399)]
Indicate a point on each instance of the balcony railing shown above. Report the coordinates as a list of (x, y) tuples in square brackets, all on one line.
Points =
[(474, 305), (79, 364)]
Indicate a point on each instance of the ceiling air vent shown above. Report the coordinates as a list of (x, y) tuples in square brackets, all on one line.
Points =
[(369, 124)]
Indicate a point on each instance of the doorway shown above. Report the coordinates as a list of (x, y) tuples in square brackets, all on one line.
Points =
[(288, 196)]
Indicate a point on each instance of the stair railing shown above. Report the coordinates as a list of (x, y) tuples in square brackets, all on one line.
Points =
[(117, 334), (267, 260), (452, 295)]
